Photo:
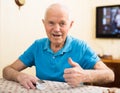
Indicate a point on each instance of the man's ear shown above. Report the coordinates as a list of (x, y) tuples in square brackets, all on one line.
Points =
[(71, 23), (43, 21)]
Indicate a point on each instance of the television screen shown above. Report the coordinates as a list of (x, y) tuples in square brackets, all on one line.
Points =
[(108, 21)]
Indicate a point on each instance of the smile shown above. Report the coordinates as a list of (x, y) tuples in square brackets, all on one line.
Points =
[(56, 35)]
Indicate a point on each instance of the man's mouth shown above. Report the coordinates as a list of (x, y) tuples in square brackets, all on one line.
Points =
[(56, 35)]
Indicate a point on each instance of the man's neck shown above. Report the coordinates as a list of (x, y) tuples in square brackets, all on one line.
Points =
[(56, 47)]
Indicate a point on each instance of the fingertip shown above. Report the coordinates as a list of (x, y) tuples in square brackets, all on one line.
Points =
[(69, 58), (27, 88), (70, 61)]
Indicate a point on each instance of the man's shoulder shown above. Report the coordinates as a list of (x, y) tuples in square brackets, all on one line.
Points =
[(77, 40)]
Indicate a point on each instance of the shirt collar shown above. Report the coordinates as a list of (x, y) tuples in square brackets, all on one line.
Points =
[(66, 48)]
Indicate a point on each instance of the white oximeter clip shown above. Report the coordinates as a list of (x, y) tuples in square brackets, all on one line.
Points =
[(40, 84)]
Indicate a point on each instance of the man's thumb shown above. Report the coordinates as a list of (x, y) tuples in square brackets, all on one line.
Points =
[(72, 63)]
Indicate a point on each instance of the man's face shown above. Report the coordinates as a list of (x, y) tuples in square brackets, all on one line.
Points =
[(57, 25)]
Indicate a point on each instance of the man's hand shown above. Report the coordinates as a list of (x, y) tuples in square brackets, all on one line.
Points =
[(27, 81), (75, 75)]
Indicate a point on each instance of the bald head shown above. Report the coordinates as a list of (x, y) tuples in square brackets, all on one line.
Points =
[(57, 8)]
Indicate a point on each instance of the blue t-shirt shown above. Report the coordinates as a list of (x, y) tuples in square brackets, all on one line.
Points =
[(50, 65)]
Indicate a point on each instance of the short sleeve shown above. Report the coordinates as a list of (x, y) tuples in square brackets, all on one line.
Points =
[(90, 58), (28, 56)]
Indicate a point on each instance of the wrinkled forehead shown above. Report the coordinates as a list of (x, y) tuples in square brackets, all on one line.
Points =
[(58, 9)]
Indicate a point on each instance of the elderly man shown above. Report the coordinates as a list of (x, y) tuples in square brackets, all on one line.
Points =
[(59, 57)]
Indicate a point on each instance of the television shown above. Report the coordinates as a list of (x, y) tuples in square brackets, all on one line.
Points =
[(108, 21)]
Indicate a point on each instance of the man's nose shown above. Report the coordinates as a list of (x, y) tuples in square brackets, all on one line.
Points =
[(57, 27)]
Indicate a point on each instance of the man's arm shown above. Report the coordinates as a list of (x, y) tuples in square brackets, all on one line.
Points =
[(76, 75), (101, 74), (12, 72)]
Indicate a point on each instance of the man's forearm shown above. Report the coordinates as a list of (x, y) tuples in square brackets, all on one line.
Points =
[(100, 76)]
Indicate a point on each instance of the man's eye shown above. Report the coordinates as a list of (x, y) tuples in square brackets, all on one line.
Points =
[(62, 24), (51, 23)]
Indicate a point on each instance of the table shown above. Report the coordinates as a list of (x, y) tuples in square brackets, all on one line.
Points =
[(110, 60), (52, 87), (114, 64)]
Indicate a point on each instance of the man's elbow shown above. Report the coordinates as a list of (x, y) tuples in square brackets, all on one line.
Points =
[(112, 76), (5, 71)]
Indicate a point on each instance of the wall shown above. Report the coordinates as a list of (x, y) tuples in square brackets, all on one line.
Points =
[(19, 28)]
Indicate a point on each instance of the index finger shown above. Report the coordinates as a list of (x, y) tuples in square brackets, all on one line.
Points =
[(68, 70), (31, 85)]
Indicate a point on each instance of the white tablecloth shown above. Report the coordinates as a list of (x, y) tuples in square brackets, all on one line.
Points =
[(52, 87)]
